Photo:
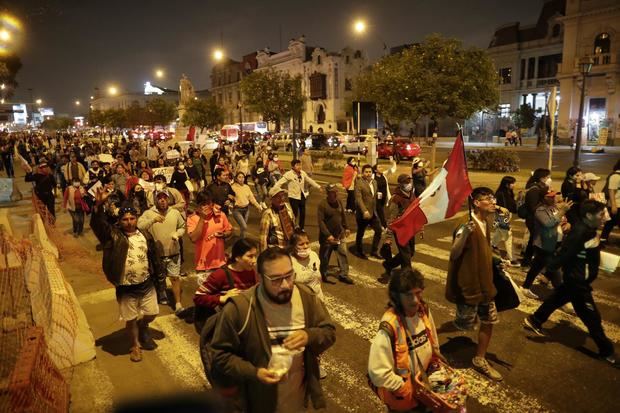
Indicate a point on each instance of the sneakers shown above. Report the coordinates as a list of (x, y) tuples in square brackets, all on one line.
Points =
[(345, 279), (609, 359), (384, 279), (482, 366), (136, 354), (146, 341), (530, 324), (178, 309), (515, 263), (529, 294)]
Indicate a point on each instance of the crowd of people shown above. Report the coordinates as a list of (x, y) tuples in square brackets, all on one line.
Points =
[(263, 300)]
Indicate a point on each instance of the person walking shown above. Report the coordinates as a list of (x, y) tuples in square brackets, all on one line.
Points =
[(366, 215), (579, 258), (274, 357), (74, 202), (333, 231), (44, 185), (612, 194), (294, 181), (243, 198), (383, 189), (277, 222), (348, 182), (536, 188), (470, 277), (507, 205)]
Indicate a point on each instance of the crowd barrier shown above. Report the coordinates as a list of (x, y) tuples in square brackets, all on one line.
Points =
[(44, 331)]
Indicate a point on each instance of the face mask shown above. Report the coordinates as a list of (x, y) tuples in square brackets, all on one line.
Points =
[(76, 184), (353, 163), (303, 252), (408, 187), (181, 167), (159, 187), (548, 181), (275, 158)]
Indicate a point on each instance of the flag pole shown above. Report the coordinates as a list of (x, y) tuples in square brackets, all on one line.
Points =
[(460, 132)]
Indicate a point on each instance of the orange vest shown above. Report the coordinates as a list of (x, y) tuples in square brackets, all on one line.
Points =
[(403, 399)]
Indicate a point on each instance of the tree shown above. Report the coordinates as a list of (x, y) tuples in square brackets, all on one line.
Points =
[(274, 94), (437, 78), (160, 112), (96, 117), (114, 118), (204, 113), (57, 123), (9, 66), (135, 115), (524, 117)]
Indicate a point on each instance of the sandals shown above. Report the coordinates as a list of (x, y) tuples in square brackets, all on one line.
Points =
[(136, 354)]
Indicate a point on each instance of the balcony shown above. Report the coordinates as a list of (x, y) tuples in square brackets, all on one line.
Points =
[(602, 59)]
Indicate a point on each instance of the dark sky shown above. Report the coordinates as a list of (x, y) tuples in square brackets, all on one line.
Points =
[(72, 46)]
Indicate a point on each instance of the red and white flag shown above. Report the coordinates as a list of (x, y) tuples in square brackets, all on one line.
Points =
[(440, 200)]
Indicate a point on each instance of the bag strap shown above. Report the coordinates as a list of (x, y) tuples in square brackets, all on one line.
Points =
[(231, 282)]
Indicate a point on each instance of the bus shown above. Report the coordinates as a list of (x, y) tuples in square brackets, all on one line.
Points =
[(231, 132)]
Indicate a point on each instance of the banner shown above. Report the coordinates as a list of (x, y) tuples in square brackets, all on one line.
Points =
[(166, 171)]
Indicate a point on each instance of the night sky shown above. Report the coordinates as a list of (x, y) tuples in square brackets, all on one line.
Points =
[(70, 47)]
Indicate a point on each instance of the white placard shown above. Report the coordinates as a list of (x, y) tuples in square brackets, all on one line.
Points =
[(106, 158), (148, 186), (167, 172), (93, 189)]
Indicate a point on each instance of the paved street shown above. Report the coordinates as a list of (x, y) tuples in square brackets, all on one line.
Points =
[(555, 374)]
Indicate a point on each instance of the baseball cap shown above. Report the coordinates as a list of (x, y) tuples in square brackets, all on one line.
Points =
[(163, 192), (331, 188), (403, 178), (589, 176), (276, 190)]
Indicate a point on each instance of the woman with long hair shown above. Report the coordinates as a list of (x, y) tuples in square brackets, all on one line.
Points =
[(348, 182), (536, 187), (505, 200), (243, 198)]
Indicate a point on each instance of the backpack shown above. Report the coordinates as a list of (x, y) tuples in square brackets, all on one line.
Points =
[(216, 378), (606, 187), (522, 210), (201, 314)]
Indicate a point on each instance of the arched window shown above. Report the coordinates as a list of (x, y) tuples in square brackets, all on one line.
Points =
[(320, 116), (602, 44)]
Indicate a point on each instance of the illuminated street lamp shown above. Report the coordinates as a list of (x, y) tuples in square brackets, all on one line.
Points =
[(5, 36), (113, 91), (77, 103), (218, 55), (159, 73), (92, 97), (2, 86), (359, 26), (585, 65), (39, 102)]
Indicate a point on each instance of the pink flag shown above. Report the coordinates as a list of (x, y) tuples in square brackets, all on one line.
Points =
[(440, 200)]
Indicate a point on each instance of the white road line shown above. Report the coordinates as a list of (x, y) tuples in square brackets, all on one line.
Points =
[(497, 396)]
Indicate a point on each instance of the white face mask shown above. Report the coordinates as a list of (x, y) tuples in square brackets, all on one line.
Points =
[(159, 187), (303, 252), (181, 167), (408, 187), (548, 181)]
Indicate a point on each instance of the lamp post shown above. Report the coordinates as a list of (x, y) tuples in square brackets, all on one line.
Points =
[(585, 65)]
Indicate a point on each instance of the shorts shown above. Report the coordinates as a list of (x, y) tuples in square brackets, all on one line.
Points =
[(172, 265), (131, 306), (467, 315)]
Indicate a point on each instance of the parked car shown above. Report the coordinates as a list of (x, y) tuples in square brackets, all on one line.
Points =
[(400, 148), (355, 144), (318, 141)]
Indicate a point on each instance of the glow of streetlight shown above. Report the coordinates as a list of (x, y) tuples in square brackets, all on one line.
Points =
[(218, 55), (77, 103), (38, 101), (2, 86), (112, 90), (159, 73), (359, 26), (5, 35), (2, 101), (92, 97)]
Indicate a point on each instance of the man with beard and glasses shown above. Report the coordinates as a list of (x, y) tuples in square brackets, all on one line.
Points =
[(267, 340)]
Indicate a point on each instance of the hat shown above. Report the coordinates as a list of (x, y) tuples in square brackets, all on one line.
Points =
[(162, 192), (276, 190), (415, 160), (331, 188), (403, 178), (42, 162), (551, 194), (589, 176)]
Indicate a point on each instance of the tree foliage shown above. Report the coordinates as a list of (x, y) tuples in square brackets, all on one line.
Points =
[(204, 113), (160, 112), (157, 111), (274, 94), (524, 117), (57, 123), (437, 78), (9, 66)]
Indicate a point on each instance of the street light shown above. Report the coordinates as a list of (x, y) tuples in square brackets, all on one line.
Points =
[(39, 102), (159, 73), (218, 55), (5, 36), (77, 103), (585, 65), (112, 90), (2, 86), (359, 26)]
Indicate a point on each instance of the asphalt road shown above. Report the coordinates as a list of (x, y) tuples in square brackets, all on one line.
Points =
[(555, 374)]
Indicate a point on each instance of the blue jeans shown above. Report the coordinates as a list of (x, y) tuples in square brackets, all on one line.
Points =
[(78, 221), (325, 253), (241, 216)]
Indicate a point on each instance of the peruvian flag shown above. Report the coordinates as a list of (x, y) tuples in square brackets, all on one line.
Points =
[(440, 200)]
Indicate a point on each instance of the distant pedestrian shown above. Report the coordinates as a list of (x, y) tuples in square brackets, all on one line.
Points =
[(74, 202), (243, 198), (348, 182)]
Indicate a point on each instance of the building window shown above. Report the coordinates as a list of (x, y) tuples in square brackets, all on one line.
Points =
[(320, 116), (522, 73), (238, 96), (504, 110), (602, 44), (548, 65), (318, 86), (346, 59), (229, 97), (505, 75), (555, 32), (531, 67), (318, 60), (348, 85)]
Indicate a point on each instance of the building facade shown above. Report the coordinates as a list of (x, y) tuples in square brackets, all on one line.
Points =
[(527, 59), (591, 28), (225, 88), (124, 100), (327, 82)]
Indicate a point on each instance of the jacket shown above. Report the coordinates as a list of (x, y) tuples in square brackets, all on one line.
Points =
[(69, 197), (296, 184), (66, 171), (348, 177), (365, 198), (241, 345), (547, 221), (115, 246)]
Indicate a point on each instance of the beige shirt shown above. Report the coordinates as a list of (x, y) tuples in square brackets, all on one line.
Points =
[(137, 263), (244, 196)]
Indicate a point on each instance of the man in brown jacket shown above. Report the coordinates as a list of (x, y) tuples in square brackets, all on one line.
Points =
[(267, 340), (366, 212), (470, 276)]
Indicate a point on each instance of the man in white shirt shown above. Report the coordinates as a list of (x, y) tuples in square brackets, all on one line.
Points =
[(295, 181)]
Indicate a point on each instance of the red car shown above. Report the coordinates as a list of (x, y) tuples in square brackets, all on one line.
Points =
[(399, 149)]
